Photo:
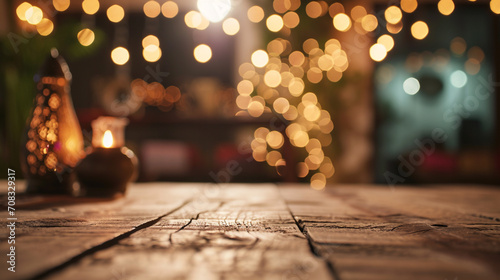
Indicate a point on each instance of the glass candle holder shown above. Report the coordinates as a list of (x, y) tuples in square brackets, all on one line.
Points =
[(109, 166)]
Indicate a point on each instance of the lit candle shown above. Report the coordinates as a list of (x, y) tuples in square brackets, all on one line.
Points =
[(108, 168)]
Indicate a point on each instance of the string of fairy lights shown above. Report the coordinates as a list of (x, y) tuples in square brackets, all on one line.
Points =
[(277, 78)]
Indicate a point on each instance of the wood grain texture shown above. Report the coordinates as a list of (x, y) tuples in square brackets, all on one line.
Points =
[(260, 231)]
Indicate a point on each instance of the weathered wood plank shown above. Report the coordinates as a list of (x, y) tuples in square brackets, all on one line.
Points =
[(403, 233), (240, 233)]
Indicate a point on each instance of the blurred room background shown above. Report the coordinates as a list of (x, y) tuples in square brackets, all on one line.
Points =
[(372, 91)]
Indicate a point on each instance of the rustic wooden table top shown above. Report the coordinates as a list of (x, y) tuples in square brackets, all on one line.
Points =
[(259, 231)]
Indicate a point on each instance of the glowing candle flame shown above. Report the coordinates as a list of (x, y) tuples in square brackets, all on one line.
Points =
[(107, 139)]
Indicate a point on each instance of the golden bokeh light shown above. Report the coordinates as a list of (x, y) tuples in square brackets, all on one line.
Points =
[(419, 30), (273, 157), (245, 87), (318, 181), (299, 139), (302, 170), (314, 75), (334, 75), (150, 40), (291, 19), (120, 55), (378, 52), (202, 53), (85, 37), (409, 6), (393, 14), (394, 28), (342, 22), (151, 53), (272, 78), (45, 27), (369, 23), (495, 6), (169, 9), (325, 62), (90, 7), (259, 58), (387, 41), (291, 114), (311, 112), (115, 13), (296, 87), (242, 101), (231, 26), (296, 58), (358, 12), (274, 23), (458, 46), (336, 8), (61, 5), (309, 99), (476, 53), (275, 139), (260, 133), (34, 15), (255, 109), (313, 9), (255, 14), (446, 7), (281, 105), (193, 19), (21, 10), (152, 9), (310, 44)]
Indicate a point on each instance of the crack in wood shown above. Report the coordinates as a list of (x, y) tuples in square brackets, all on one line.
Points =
[(107, 244), (312, 247)]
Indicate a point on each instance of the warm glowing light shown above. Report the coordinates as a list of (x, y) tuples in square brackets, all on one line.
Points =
[(115, 13), (458, 46), (202, 53), (120, 55), (369, 23), (245, 87), (85, 37), (393, 14), (275, 139), (336, 8), (107, 139), (476, 53), (342, 22), (255, 14), (231, 26), (193, 19), (169, 9), (151, 9), (409, 6), (495, 6), (296, 58), (281, 105), (318, 181), (358, 12), (255, 109), (387, 41), (60, 5), (419, 30), (291, 19), (272, 78), (314, 75), (21, 10), (260, 58), (446, 7), (458, 79), (313, 9), (274, 23), (45, 27), (34, 15), (394, 28), (150, 40), (411, 86), (296, 86), (90, 7), (309, 45), (151, 53), (325, 62), (214, 10), (378, 52)]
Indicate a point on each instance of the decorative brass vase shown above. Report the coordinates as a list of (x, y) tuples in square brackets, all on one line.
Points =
[(53, 142)]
